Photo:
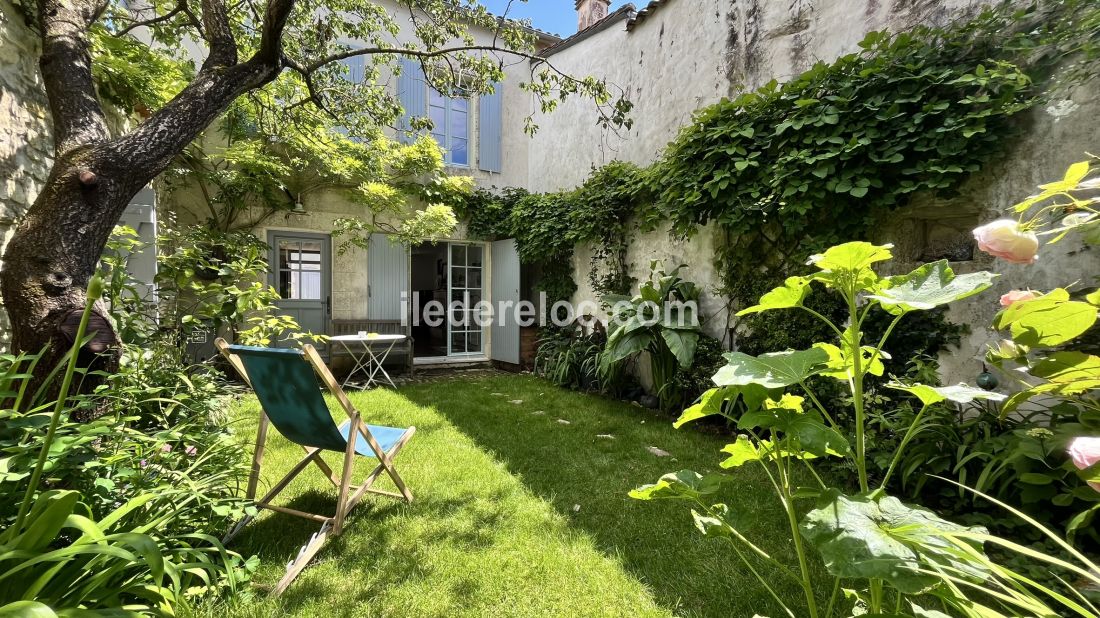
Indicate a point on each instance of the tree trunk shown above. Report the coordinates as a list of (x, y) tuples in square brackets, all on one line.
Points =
[(57, 245)]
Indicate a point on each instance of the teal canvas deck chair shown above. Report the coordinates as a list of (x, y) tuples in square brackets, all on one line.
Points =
[(288, 384)]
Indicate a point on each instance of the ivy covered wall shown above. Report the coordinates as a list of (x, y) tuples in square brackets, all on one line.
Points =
[(685, 56)]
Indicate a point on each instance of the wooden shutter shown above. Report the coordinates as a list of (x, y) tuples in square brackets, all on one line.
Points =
[(413, 94), (387, 278), (490, 130), (504, 286)]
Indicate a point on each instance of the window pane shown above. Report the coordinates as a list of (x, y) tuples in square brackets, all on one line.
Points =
[(284, 284), (474, 252), (438, 116), (473, 279), (458, 343), (459, 155), (435, 98), (458, 255), (310, 255), (473, 341), (459, 105), (311, 286), (459, 126), (440, 139), (288, 250), (458, 277)]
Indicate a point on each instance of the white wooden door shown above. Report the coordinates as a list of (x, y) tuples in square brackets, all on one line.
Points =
[(504, 285)]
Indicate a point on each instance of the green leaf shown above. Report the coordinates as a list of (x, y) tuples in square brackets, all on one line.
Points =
[(862, 538), (1052, 324), (628, 344), (791, 294), (682, 343), (840, 365), (806, 429), (929, 286), (682, 485), (741, 451), (713, 526), (1067, 366), (959, 393), (774, 370), (1035, 478), (27, 609), (711, 401), (851, 257)]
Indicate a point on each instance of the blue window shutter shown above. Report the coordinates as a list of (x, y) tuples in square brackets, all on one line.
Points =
[(491, 127), (413, 95), (356, 66)]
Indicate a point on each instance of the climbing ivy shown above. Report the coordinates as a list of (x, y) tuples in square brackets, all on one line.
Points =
[(548, 227)]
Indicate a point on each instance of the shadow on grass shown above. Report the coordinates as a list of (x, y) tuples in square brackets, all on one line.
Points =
[(586, 475), (368, 540)]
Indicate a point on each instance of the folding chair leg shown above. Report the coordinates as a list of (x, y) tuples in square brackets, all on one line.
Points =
[(305, 555)]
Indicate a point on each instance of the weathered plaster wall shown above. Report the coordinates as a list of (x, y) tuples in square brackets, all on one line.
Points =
[(686, 54), (26, 148)]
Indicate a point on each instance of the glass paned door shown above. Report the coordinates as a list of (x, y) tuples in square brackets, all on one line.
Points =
[(300, 273), (465, 289)]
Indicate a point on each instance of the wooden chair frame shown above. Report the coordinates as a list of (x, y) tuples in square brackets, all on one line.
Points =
[(349, 495)]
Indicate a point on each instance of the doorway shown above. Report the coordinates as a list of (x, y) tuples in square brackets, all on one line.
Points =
[(301, 273), (448, 281)]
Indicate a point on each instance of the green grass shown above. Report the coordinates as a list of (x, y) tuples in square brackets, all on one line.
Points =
[(516, 514)]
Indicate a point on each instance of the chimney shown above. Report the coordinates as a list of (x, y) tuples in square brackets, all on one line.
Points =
[(590, 12)]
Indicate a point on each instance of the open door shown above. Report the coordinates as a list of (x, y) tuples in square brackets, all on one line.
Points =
[(504, 286)]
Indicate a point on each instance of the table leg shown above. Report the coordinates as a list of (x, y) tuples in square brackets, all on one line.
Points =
[(377, 362)]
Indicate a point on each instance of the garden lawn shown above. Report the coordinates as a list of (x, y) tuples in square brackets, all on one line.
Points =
[(521, 509)]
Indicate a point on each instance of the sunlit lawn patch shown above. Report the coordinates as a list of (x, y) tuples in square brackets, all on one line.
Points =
[(521, 510)]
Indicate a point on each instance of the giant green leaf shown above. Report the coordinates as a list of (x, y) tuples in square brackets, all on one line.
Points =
[(851, 256), (710, 402), (622, 345), (741, 451), (774, 370), (959, 393), (27, 609), (1050, 323), (1067, 366), (840, 366), (863, 538), (682, 485), (848, 267), (791, 294), (929, 286), (682, 344), (806, 430)]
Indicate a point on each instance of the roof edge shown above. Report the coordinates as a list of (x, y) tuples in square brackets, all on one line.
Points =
[(626, 12)]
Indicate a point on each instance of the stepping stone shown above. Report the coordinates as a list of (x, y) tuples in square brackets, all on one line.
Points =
[(564, 422), (658, 452), (606, 436), (576, 508), (538, 413), (516, 401), (497, 394)]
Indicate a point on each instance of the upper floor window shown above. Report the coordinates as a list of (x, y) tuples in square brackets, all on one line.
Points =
[(451, 126)]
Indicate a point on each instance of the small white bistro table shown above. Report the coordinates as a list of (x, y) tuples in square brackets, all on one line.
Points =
[(362, 351)]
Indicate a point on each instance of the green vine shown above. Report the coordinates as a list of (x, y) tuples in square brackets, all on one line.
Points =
[(548, 227)]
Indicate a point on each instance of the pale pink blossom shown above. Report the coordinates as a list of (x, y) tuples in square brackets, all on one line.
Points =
[(166, 448), (1085, 452), (191, 451), (1004, 238), (1016, 296)]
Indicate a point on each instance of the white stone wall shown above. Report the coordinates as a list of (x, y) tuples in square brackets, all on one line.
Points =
[(26, 147), (686, 54)]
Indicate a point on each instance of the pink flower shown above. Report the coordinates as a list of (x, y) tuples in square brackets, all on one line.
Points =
[(1005, 239), (1016, 296), (166, 448), (191, 451), (1085, 452)]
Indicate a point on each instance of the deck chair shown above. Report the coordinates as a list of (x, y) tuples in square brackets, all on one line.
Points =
[(286, 383)]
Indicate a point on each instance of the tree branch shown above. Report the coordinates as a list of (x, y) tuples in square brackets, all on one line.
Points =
[(223, 47), (66, 65), (152, 20)]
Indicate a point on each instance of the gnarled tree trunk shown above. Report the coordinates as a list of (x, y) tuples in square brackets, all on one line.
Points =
[(57, 245)]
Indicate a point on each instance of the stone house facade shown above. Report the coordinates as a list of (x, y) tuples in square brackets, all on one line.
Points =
[(671, 57)]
